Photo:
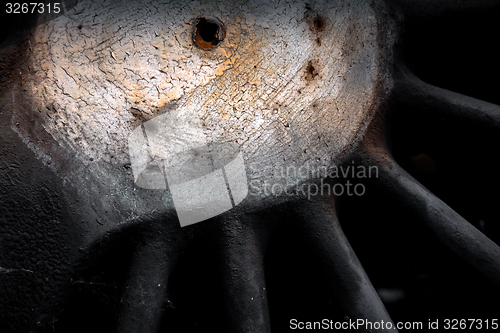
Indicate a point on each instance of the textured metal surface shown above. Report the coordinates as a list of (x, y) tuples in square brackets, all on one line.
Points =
[(82, 247)]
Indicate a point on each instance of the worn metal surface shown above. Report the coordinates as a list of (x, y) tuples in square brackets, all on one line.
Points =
[(280, 84), (293, 84)]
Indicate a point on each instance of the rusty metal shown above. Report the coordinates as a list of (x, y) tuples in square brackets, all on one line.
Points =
[(91, 238)]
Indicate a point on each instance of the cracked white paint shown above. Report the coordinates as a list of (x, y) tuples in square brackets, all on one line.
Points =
[(103, 60)]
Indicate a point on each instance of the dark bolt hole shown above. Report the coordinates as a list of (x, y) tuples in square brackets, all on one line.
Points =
[(208, 33), (208, 30), (319, 23)]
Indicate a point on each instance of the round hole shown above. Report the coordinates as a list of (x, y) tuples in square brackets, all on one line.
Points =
[(209, 32)]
